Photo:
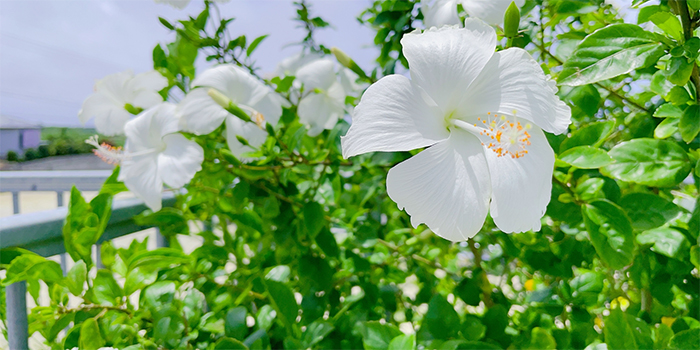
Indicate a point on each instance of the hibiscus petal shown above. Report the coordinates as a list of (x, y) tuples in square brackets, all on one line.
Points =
[(151, 81), (446, 187), (234, 82), (145, 98), (270, 107), (514, 81), (179, 162), (490, 11), (445, 61), (319, 74), (440, 13), (112, 121), (199, 113), (140, 175), (249, 131), (392, 116), (521, 187), (321, 111), (146, 131)]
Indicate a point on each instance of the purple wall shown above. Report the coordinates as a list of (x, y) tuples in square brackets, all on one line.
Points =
[(31, 138)]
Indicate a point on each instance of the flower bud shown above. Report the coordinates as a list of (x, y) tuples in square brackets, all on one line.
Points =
[(219, 98), (511, 21), (227, 104), (347, 62)]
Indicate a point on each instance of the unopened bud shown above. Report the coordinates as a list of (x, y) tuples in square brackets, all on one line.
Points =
[(341, 56), (227, 104), (347, 62), (511, 21), (219, 98)]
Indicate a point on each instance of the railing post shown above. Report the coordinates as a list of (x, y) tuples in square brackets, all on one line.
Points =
[(16, 308), (161, 241), (59, 198), (15, 202)]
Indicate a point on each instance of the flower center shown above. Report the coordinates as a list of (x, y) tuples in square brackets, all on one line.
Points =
[(504, 136), (116, 155)]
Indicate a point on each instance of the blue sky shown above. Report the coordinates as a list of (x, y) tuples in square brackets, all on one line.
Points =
[(52, 51)]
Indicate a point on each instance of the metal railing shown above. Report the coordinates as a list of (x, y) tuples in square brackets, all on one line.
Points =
[(42, 232)]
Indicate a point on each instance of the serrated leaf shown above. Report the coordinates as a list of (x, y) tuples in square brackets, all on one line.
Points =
[(611, 51), (648, 162), (586, 157), (610, 232)]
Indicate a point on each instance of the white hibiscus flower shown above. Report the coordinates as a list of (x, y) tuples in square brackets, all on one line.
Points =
[(323, 102), (202, 114), (437, 13), (481, 115), (154, 153), (118, 97)]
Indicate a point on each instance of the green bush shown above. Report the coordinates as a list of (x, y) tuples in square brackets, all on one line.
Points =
[(30, 154), (12, 156)]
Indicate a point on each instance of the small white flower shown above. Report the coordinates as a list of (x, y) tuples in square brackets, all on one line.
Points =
[(324, 97), (181, 4), (437, 13), (481, 115), (202, 115), (489, 11), (118, 92), (155, 153), (290, 65)]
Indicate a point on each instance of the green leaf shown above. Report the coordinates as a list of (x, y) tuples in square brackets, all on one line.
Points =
[(687, 339), (690, 123), (586, 157), (678, 95), (113, 186), (377, 336), (666, 128), (469, 291), (157, 258), (283, 301), (90, 338), (668, 110), (266, 316), (326, 241), (647, 211), (403, 342), (165, 23), (540, 338), (586, 287), (75, 280), (669, 24), (235, 325), (695, 256), (313, 218), (441, 318), (229, 344), (611, 51), (610, 232), (678, 70), (315, 332), (105, 289), (665, 241), (255, 44), (590, 189), (496, 321), (623, 331), (472, 328), (593, 134), (139, 278), (648, 162)]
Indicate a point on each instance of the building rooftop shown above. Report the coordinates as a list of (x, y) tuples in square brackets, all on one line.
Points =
[(14, 123)]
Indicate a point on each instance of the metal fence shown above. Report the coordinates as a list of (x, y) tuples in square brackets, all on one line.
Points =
[(41, 232)]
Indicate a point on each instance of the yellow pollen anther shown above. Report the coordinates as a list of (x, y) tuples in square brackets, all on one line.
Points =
[(509, 136), (259, 119)]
